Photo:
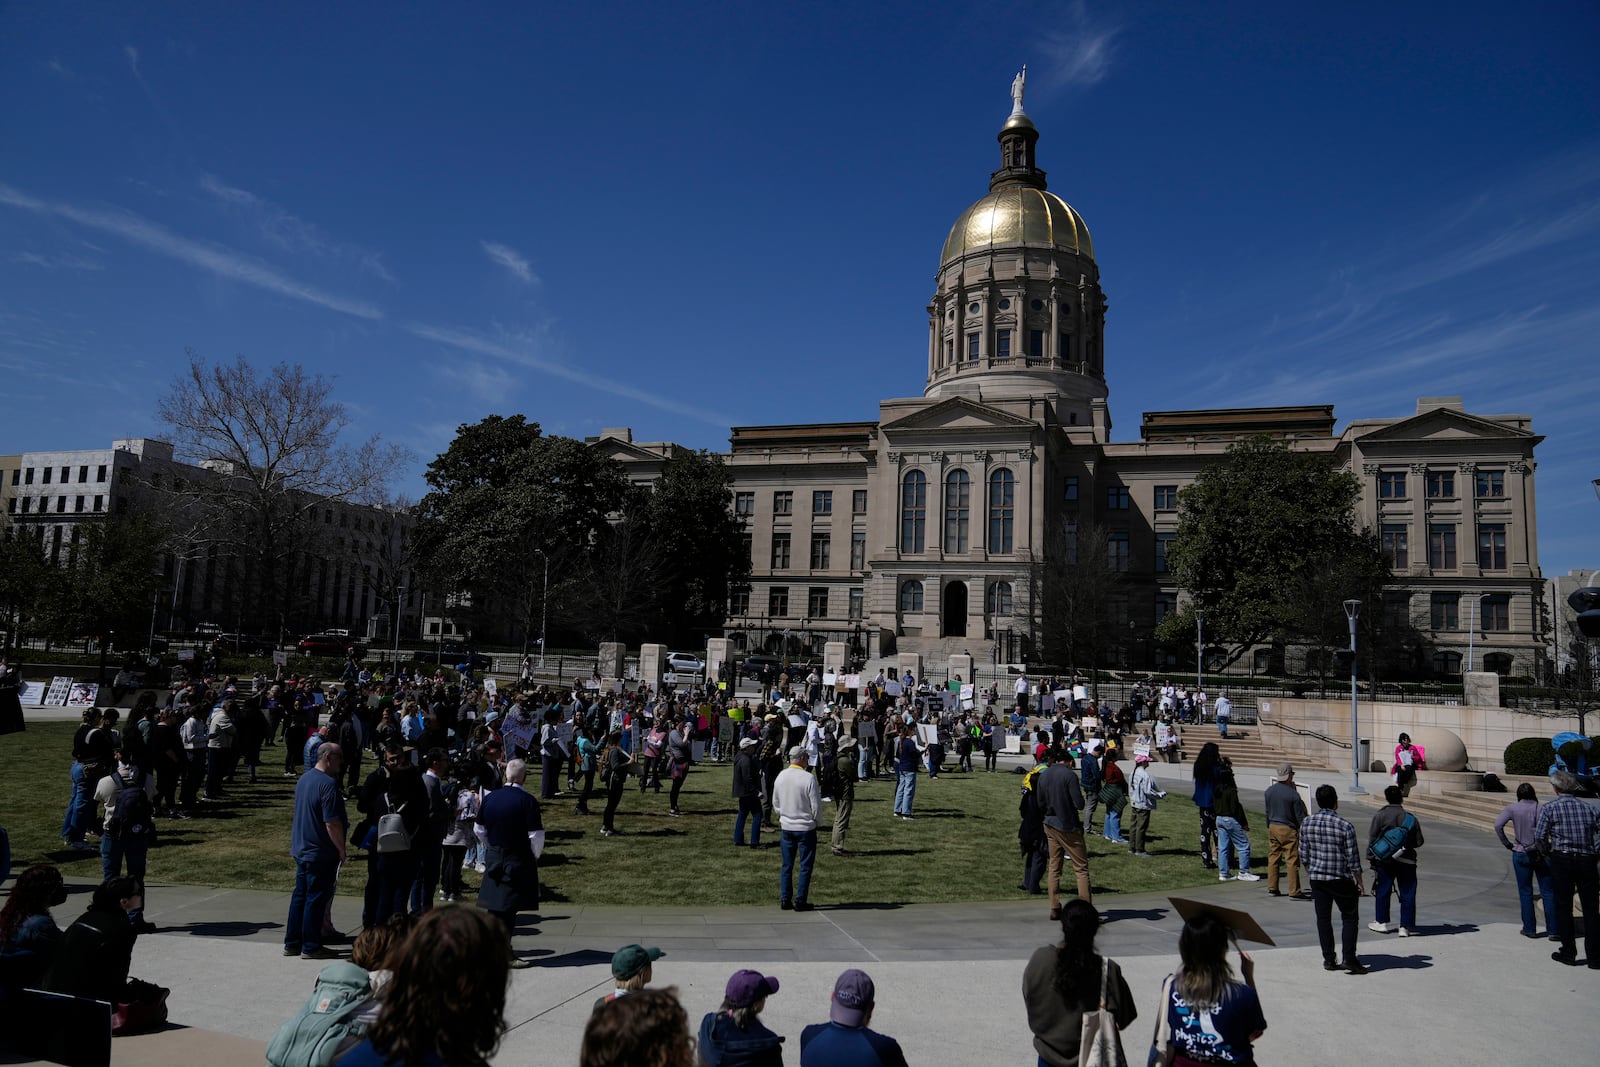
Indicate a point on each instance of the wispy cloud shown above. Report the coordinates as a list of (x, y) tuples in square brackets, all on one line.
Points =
[(1081, 52), (133, 60), (489, 384), (511, 260), (58, 261), (216, 259), (525, 352), (59, 69), (289, 231)]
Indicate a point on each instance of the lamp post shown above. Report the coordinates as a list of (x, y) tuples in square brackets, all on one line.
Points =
[(544, 605), (1352, 611), (1199, 652)]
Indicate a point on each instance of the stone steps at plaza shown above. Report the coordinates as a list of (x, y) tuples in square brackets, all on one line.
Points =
[(1243, 746), (1462, 807)]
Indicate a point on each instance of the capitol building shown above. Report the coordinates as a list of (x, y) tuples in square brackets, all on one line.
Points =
[(926, 530)]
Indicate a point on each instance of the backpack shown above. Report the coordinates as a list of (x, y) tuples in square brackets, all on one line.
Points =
[(327, 1023), (1389, 844), (392, 833), (132, 814)]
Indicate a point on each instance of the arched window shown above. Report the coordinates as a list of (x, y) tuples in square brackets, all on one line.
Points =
[(957, 509), (913, 512), (1002, 507), (999, 598), (910, 596), (1498, 662), (1447, 663)]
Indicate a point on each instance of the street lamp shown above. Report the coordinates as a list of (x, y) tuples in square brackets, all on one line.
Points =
[(1199, 652), (1352, 611), (544, 605)]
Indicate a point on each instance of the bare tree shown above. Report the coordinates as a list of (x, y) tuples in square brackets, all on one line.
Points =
[(1081, 597), (269, 444)]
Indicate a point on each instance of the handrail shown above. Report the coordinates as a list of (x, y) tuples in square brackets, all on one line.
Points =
[(1303, 733)]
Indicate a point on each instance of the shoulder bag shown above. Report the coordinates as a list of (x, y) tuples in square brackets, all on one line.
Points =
[(1099, 1044)]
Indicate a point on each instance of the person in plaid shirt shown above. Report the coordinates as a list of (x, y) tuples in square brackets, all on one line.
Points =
[(1568, 831), (1328, 849)]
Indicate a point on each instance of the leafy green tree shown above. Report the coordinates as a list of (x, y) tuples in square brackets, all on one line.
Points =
[(1268, 548), (699, 545), (24, 572), (506, 503), (107, 581), (1082, 599)]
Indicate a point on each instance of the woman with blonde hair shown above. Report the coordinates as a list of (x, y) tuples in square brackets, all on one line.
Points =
[(1207, 1015)]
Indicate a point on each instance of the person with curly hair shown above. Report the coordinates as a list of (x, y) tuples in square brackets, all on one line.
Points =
[(25, 922), (1064, 980), (444, 1004), (1206, 765), (644, 1029)]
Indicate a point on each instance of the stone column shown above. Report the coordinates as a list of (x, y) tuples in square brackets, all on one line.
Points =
[(652, 664), (720, 651), (612, 656)]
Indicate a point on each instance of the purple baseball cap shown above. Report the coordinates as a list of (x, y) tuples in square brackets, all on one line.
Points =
[(853, 996), (747, 987)]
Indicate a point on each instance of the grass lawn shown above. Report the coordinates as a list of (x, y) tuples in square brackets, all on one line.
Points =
[(962, 845)]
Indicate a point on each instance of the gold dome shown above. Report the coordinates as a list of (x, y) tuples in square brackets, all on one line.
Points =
[(1018, 215)]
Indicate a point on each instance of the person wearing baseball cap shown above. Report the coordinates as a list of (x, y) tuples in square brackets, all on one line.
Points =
[(1286, 808), (844, 1040), (1142, 796), (797, 800), (631, 970), (732, 1036)]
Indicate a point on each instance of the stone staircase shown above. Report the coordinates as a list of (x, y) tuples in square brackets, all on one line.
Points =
[(1243, 746), (1473, 808)]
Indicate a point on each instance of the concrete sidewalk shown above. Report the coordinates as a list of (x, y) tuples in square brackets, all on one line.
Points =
[(949, 976)]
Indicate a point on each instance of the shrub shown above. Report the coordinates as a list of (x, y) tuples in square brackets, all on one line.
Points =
[(1529, 756)]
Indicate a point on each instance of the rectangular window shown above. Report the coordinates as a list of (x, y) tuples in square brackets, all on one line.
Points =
[(858, 502), (739, 603), (16, 476), (1489, 485), (744, 503), (1069, 541), (822, 502), (100, 474), (1496, 615), (1492, 546), (749, 548), (858, 550), (1166, 604), (783, 503), (1118, 551), (817, 602), (778, 600), (11, 506), (66, 475), (1441, 485), (61, 503), (1065, 341), (857, 603), (1395, 535), (949, 352), (78, 504), (1444, 611), (780, 551), (1035, 344), (1166, 498), (1391, 485), (1396, 607), (47, 472), (1163, 547), (1070, 489), (1442, 548), (99, 503), (27, 502), (973, 345), (1002, 344), (821, 551), (83, 473), (29, 478), (1117, 497)]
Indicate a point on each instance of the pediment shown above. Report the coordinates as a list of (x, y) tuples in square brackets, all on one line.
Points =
[(1441, 425), (959, 413), (618, 449)]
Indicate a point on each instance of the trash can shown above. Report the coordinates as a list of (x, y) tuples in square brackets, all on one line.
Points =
[(1364, 749)]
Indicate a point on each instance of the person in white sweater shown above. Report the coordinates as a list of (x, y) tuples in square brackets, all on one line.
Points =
[(797, 801)]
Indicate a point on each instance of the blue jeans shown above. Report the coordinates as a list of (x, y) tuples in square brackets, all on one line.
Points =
[(1401, 876), (864, 764), (749, 808), (905, 791), (314, 882), (1222, 725), (132, 850), (1526, 874), (80, 806), (801, 845), (1113, 825), (1230, 835)]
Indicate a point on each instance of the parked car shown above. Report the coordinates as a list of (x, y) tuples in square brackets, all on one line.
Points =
[(330, 645), (456, 653), (685, 663), (247, 644)]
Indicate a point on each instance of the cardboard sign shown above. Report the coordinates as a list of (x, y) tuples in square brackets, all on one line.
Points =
[(852, 681), (82, 695), (830, 678), (519, 733), (1061, 695), (280, 658), (728, 730), (56, 696), (891, 688), (867, 730), (490, 686), (929, 733), (1080, 692), (1239, 923), (31, 693)]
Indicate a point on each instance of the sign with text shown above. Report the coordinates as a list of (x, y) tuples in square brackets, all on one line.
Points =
[(56, 695)]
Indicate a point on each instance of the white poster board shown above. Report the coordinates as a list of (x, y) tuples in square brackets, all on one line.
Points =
[(968, 692), (830, 678), (1080, 692), (490, 686), (56, 695), (852, 681), (1090, 722), (518, 733), (82, 695), (280, 658), (929, 733), (1060, 695), (1141, 750), (891, 688), (32, 693)]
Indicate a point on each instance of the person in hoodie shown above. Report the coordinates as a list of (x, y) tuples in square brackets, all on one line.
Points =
[(733, 1036)]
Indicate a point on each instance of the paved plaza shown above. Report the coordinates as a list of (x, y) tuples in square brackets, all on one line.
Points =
[(1468, 989)]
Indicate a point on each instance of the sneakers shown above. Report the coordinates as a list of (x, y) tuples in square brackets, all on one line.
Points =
[(1246, 876), (803, 905), (1380, 928), (786, 905), (1404, 932), (480, 867), (319, 954), (291, 950), (1271, 892), (1355, 967), (1224, 877)]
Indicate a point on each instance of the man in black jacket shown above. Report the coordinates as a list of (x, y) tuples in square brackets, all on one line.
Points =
[(396, 786), (428, 843), (747, 791)]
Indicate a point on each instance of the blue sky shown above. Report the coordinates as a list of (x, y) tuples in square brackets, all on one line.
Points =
[(682, 217)]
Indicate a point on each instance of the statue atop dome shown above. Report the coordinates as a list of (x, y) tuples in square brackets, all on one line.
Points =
[(1018, 87)]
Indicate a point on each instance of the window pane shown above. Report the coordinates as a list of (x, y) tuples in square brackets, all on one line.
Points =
[(858, 550), (913, 512), (1394, 544), (1002, 507), (858, 502), (957, 508), (1492, 546)]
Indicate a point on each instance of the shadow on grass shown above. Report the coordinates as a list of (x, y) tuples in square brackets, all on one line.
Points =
[(219, 929), (944, 813), (1386, 962), (892, 852), (657, 833)]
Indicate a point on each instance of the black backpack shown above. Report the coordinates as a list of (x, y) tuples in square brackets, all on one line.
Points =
[(132, 814)]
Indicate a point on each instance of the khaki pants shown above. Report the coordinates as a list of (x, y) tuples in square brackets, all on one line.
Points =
[(1283, 842), (1071, 845)]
